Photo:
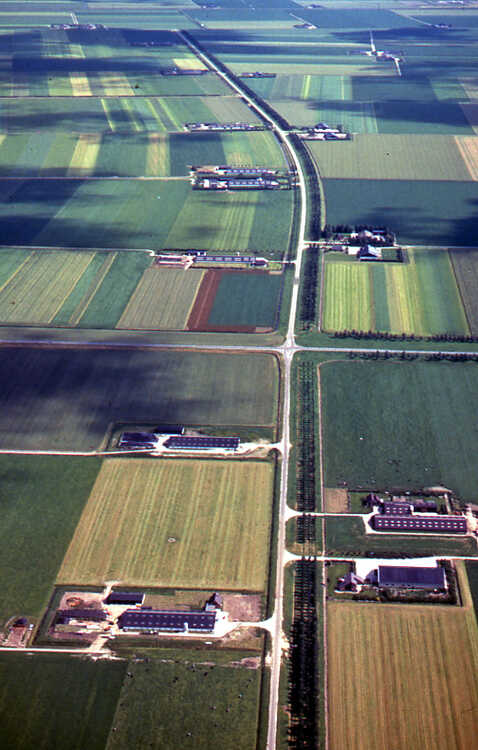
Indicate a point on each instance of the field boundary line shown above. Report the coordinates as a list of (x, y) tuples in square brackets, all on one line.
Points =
[(458, 286)]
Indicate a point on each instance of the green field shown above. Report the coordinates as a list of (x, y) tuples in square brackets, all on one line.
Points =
[(420, 296), (142, 214), (179, 699), (391, 157), (246, 299), (42, 500), (57, 701), (375, 652), (162, 299), (67, 399), (209, 508), (346, 537), (400, 425), (422, 212)]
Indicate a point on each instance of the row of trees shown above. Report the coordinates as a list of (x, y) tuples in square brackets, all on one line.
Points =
[(428, 356), (387, 336), (305, 437), (303, 661)]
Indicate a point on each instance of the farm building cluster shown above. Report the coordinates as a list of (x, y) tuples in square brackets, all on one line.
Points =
[(124, 612), (402, 577), (173, 439), (238, 178), (256, 74), (412, 515), (79, 26), (205, 127), (189, 258), (375, 244), (183, 71), (323, 132)]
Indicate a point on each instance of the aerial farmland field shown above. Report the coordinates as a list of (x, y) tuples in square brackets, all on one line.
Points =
[(68, 399), (84, 693), (465, 266), (42, 501), (417, 430), (420, 296), (142, 214), (405, 651), (392, 157), (428, 212), (209, 509)]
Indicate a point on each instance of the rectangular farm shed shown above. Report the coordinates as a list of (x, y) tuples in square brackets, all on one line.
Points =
[(202, 443), (138, 440), (64, 616), (124, 597), (399, 576), (440, 525), (154, 621), (390, 508)]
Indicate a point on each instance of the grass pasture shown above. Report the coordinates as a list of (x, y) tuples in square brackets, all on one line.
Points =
[(42, 500), (210, 508), (162, 299), (395, 653), (420, 296), (83, 692), (68, 399), (421, 212), (393, 157), (400, 425), (169, 698)]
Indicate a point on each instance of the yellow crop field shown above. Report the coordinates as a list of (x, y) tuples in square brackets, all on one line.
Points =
[(468, 146), (348, 297), (163, 299), (189, 63), (408, 675), (80, 84), (160, 522), (37, 290), (157, 156), (84, 156), (116, 84)]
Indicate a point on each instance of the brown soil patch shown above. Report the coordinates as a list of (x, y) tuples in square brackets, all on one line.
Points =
[(335, 500), (81, 600), (243, 607)]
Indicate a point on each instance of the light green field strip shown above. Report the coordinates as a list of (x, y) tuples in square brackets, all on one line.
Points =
[(210, 509), (80, 84), (394, 157), (116, 84), (468, 148), (250, 149), (318, 68), (107, 110), (157, 156), (162, 299), (40, 287), (227, 217), (99, 278), (128, 106), (84, 156), (166, 116), (11, 263), (189, 63), (229, 109), (348, 303)]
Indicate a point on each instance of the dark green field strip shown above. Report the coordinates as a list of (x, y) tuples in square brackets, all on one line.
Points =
[(347, 537), (400, 425), (109, 302), (42, 501), (472, 573), (168, 704), (420, 212), (57, 701), (465, 266), (72, 114), (428, 117), (380, 297), (68, 399), (416, 89), (248, 299)]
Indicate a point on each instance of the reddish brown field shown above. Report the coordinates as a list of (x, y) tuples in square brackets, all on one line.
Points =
[(201, 310)]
